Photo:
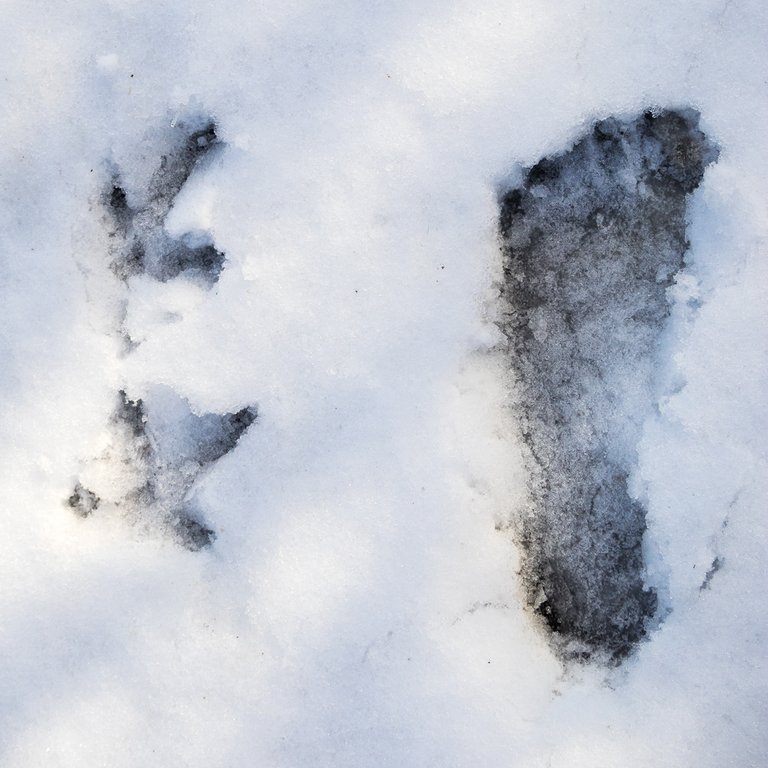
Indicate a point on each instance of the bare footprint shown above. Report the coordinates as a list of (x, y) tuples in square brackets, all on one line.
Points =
[(592, 239)]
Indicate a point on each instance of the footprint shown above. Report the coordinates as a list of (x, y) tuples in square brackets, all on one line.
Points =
[(592, 239), (157, 451), (142, 244), (157, 446)]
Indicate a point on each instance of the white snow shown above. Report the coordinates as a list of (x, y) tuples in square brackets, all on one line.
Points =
[(360, 606)]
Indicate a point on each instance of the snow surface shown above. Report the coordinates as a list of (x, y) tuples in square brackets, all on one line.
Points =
[(360, 604)]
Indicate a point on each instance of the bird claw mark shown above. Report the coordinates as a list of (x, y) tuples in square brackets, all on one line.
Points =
[(142, 246), (162, 458), (83, 502)]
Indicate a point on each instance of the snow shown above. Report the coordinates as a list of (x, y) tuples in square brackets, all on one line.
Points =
[(360, 604)]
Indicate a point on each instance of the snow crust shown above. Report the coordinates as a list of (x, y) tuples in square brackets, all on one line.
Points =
[(360, 605)]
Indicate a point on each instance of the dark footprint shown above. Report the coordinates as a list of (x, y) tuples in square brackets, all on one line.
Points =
[(160, 447), (145, 247), (164, 447), (591, 241)]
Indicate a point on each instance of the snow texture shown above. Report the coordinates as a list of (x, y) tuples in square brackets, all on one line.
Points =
[(593, 240), (294, 206)]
